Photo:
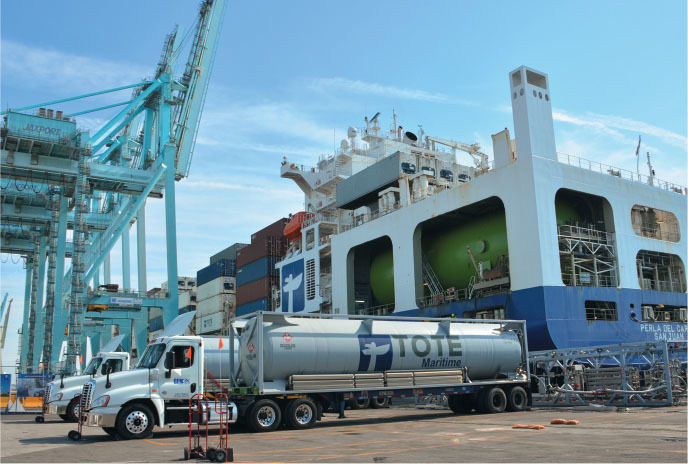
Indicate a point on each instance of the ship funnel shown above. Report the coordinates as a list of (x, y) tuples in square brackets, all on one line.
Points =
[(410, 138)]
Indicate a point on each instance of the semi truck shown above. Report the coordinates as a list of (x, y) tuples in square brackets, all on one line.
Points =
[(288, 369), (61, 396)]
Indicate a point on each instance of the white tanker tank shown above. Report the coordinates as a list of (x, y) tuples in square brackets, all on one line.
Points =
[(216, 359), (302, 345)]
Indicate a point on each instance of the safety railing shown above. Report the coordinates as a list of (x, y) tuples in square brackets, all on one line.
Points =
[(596, 166)]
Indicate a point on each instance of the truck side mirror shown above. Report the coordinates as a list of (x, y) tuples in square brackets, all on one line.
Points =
[(108, 369), (169, 363)]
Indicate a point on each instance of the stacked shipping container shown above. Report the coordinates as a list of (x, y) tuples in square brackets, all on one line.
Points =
[(216, 292), (256, 268)]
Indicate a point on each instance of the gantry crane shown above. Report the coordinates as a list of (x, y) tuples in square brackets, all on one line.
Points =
[(60, 178)]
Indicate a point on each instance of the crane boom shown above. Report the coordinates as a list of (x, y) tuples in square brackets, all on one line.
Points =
[(4, 324), (195, 81), (479, 157)]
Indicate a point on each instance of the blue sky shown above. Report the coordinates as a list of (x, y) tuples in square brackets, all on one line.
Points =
[(290, 77)]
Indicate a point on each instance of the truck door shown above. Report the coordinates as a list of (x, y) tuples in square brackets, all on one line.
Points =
[(180, 378)]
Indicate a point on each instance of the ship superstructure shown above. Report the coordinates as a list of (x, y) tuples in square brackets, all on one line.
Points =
[(586, 253)]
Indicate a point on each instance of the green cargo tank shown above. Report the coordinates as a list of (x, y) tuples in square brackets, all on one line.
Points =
[(446, 251)]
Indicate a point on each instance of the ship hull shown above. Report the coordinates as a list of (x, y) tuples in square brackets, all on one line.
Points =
[(555, 319)]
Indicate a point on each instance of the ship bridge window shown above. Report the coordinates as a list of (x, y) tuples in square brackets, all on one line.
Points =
[(664, 313), (655, 223), (660, 271), (601, 310)]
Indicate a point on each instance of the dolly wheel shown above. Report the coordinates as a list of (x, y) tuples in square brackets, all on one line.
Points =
[(74, 435), (210, 453), (220, 456), (39, 419), (186, 454)]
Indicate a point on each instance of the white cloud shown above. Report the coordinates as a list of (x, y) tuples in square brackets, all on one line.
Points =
[(66, 72), (386, 91), (613, 125)]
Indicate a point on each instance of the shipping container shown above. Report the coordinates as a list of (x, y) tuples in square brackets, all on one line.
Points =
[(186, 298), (228, 253), (212, 323), (256, 290), (155, 324), (264, 267), (260, 305), (267, 246), (216, 287), (222, 302), (154, 312), (187, 309), (276, 229), (224, 267)]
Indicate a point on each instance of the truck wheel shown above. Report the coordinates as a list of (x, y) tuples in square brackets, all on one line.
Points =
[(460, 404), (300, 413), (379, 402), (135, 421), (264, 416), (359, 403), (73, 409), (64, 417), (495, 400), (517, 400)]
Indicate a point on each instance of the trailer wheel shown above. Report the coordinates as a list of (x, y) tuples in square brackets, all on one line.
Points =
[(379, 402), (135, 421), (495, 400), (220, 455), (517, 400), (264, 416), (460, 404), (300, 413), (359, 403), (73, 409)]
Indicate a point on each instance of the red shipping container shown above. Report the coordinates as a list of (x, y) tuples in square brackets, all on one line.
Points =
[(266, 246), (276, 229), (256, 290)]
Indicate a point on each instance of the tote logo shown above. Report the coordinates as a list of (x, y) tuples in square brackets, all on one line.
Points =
[(376, 353), (292, 287)]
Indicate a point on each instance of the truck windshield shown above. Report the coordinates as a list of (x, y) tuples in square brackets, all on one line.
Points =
[(151, 356), (92, 367)]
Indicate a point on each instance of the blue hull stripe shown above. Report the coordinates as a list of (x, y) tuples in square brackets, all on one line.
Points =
[(555, 316)]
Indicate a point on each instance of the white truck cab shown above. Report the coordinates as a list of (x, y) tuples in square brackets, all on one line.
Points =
[(158, 390), (62, 394)]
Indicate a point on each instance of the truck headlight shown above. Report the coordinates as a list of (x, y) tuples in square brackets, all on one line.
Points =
[(101, 402), (56, 397)]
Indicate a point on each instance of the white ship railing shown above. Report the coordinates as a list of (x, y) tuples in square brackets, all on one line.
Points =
[(596, 166)]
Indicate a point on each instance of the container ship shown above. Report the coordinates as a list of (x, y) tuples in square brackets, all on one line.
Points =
[(586, 253)]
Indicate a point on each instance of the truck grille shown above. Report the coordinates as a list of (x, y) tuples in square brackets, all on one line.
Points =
[(46, 394), (86, 394)]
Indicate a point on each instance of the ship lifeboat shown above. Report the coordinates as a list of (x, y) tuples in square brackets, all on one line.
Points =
[(293, 229)]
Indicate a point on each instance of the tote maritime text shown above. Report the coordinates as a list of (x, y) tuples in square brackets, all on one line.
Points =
[(377, 352)]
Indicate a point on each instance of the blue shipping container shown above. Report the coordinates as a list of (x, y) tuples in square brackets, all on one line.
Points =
[(259, 269), (221, 268), (155, 324), (252, 307)]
